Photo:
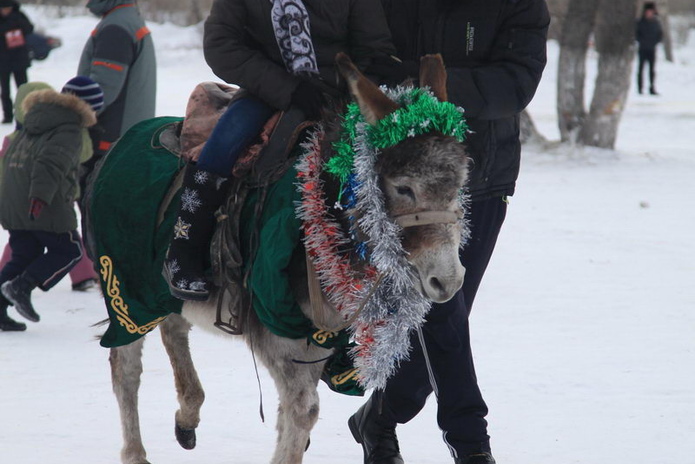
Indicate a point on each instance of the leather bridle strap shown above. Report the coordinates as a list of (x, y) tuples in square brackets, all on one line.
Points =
[(424, 218)]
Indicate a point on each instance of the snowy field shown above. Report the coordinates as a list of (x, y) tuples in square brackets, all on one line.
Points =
[(582, 330)]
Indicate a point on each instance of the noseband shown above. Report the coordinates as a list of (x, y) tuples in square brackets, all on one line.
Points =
[(424, 218)]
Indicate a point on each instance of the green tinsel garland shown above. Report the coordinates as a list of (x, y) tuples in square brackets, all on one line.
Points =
[(420, 113)]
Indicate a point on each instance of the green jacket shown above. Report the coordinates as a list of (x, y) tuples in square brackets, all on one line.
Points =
[(42, 162), (22, 92)]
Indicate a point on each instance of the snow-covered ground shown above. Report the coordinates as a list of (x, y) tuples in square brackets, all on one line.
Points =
[(582, 330)]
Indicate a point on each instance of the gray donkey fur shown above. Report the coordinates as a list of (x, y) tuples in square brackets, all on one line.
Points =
[(423, 173)]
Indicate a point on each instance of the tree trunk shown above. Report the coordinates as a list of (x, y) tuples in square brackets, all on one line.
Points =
[(665, 20), (615, 35), (576, 30)]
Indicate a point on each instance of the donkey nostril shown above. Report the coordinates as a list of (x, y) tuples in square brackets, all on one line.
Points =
[(436, 285)]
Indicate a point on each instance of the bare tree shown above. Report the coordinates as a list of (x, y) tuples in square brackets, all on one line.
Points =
[(665, 20), (574, 42), (615, 37), (613, 23)]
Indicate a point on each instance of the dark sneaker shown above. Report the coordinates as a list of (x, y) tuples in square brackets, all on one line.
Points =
[(18, 292), (377, 437), (477, 458), (7, 324)]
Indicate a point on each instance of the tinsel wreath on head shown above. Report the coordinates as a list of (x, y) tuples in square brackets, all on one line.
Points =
[(382, 328)]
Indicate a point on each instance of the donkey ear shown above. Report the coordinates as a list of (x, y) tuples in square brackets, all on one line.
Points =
[(374, 105), (433, 75)]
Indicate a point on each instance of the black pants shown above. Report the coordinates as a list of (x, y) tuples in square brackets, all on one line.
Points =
[(646, 57), (444, 340), (20, 77), (62, 252)]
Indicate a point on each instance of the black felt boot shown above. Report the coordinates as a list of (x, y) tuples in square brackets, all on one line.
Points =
[(377, 436), (187, 259), (7, 324), (18, 292), (476, 458)]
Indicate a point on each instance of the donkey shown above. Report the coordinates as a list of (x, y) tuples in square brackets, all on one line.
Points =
[(421, 176)]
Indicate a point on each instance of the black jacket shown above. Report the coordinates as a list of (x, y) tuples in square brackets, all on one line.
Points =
[(648, 33), (13, 29), (241, 49), (495, 53)]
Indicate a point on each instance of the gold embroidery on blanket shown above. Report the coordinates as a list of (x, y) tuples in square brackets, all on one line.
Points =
[(322, 336), (344, 377), (119, 307)]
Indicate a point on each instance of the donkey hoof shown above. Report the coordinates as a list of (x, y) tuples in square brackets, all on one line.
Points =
[(185, 437)]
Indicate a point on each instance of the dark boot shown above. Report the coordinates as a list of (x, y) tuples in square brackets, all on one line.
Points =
[(377, 436), (652, 91), (477, 458), (7, 324), (18, 292), (187, 259)]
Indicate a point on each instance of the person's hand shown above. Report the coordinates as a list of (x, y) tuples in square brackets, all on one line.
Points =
[(309, 98), (35, 207), (392, 71)]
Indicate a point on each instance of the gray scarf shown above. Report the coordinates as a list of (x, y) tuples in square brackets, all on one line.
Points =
[(293, 35)]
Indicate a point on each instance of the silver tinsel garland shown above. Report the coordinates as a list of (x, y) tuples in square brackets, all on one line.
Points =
[(396, 307)]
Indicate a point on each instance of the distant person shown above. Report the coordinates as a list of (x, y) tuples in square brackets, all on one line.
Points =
[(119, 55), (38, 191), (648, 34), (14, 53)]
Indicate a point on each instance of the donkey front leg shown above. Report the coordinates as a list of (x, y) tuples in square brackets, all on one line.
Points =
[(174, 332), (126, 369), (298, 410)]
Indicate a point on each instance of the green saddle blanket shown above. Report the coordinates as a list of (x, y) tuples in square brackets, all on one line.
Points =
[(131, 236), (129, 242)]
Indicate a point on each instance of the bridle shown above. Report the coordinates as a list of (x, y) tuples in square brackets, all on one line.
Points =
[(424, 218)]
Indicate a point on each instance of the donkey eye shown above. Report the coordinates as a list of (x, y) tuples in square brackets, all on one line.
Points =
[(405, 191)]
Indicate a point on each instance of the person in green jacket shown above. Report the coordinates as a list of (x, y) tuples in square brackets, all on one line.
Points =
[(7, 324), (38, 190), (83, 275)]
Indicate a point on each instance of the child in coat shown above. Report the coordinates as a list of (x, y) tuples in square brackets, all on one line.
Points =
[(38, 190)]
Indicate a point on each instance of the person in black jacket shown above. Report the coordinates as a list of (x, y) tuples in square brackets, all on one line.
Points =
[(14, 53), (281, 53), (648, 34), (495, 53)]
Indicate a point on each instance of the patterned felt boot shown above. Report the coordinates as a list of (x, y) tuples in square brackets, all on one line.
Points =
[(189, 251), (18, 292), (7, 324)]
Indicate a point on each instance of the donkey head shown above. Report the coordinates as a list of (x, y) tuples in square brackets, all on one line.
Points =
[(421, 178)]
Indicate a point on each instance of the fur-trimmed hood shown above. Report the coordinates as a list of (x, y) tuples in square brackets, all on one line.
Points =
[(46, 109)]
